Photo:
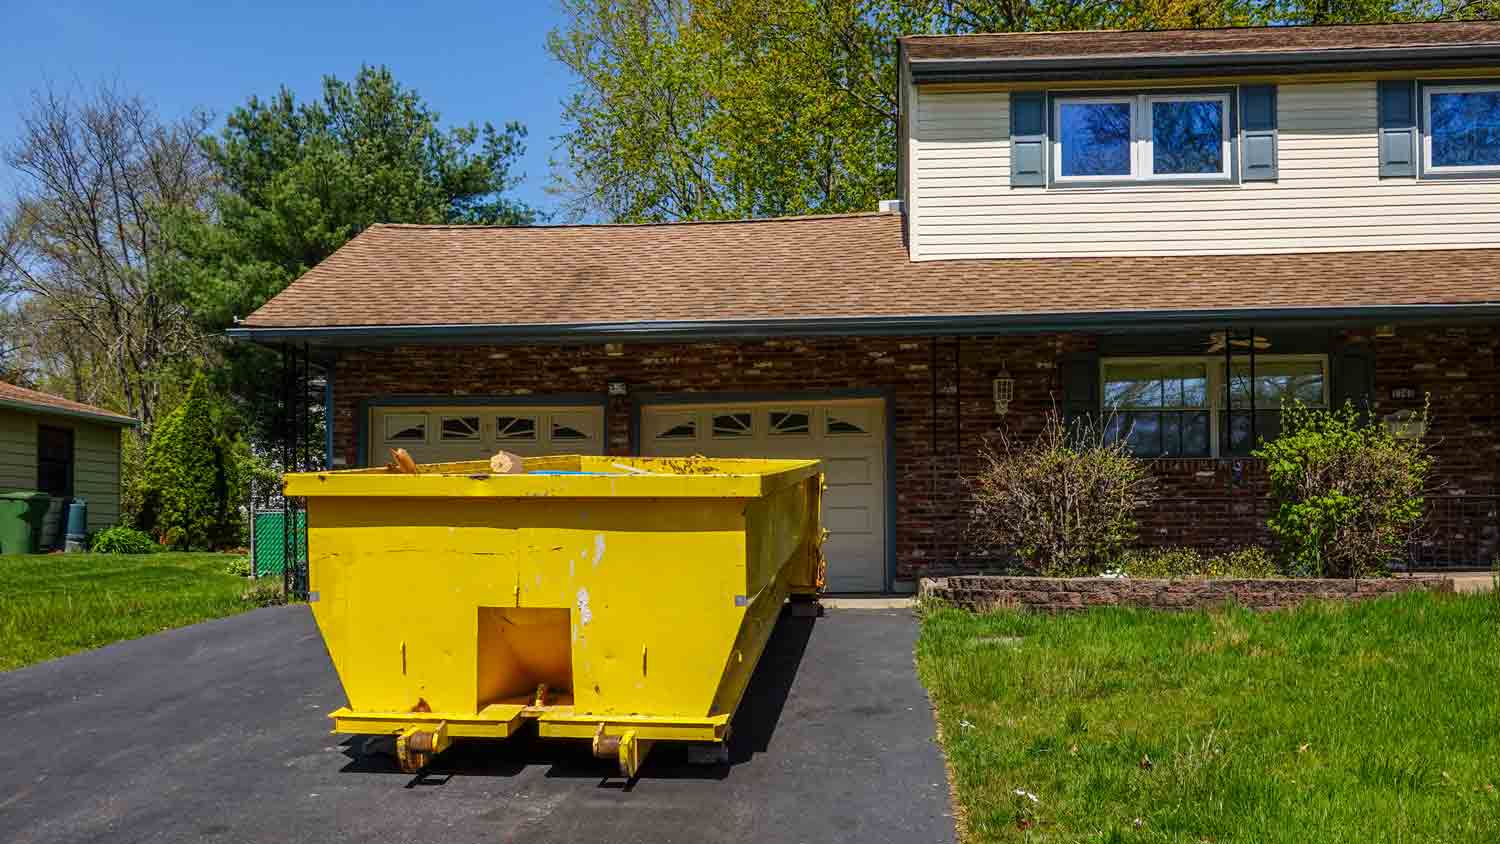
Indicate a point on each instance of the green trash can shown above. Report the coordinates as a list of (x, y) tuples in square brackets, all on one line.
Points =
[(21, 515)]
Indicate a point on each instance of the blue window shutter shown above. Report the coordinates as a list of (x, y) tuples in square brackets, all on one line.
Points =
[(1258, 133), (1080, 392), (1354, 381), (1398, 128), (1028, 139)]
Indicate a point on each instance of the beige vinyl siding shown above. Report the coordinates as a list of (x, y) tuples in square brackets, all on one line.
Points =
[(1329, 196), (96, 465)]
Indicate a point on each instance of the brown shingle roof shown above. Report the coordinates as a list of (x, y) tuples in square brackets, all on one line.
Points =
[(14, 396), (1247, 40), (849, 266)]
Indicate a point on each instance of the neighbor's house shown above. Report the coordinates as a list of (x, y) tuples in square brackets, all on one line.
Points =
[(63, 448), (1172, 231)]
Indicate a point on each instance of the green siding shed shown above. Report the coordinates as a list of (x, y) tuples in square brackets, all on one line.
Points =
[(69, 449)]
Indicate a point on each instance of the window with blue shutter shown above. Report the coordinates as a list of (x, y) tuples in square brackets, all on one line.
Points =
[(1097, 140), (1080, 393), (1028, 139), (1398, 128), (1258, 133)]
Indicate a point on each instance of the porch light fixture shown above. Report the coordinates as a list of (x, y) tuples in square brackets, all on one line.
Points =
[(1005, 389)]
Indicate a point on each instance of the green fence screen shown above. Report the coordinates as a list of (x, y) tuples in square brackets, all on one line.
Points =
[(270, 542)]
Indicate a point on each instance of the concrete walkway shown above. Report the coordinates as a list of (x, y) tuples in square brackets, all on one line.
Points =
[(217, 732)]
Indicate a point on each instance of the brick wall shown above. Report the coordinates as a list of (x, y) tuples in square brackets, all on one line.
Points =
[(941, 412), (1457, 367), (1044, 594)]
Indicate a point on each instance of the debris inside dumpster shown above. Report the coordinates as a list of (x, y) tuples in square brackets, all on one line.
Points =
[(505, 463), (402, 462)]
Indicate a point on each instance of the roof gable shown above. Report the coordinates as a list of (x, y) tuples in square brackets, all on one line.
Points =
[(35, 401), (1097, 54)]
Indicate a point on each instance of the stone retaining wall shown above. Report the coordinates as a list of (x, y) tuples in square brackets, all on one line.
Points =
[(1048, 594)]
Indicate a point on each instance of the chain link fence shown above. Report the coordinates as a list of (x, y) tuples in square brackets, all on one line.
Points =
[(269, 545)]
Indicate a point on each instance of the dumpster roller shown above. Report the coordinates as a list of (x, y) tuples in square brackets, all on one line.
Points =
[(619, 601)]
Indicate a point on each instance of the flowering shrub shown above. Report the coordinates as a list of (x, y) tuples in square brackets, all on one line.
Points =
[(1346, 495)]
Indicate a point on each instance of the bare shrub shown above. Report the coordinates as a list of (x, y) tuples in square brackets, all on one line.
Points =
[(1065, 501)]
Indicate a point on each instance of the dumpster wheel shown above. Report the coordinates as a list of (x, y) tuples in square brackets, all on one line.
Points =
[(629, 750), (415, 746)]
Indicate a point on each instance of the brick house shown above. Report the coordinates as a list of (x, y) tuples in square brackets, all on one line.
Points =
[(1171, 232)]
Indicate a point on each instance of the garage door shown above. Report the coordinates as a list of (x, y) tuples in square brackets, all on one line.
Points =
[(441, 434), (848, 436)]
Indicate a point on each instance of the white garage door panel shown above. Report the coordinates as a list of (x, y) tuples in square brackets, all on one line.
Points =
[(847, 470), (439, 434), (847, 435), (847, 520)]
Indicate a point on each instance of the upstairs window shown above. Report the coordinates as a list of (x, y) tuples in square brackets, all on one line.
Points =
[(1142, 137), (1462, 129)]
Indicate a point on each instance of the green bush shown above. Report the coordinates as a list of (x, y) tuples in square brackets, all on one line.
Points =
[(1346, 494), (1164, 563), (190, 477), (239, 567), (122, 540), (1169, 563), (266, 592), (1065, 502), (1248, 562)]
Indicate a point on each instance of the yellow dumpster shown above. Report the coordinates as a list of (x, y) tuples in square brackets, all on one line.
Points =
[(622, 601)]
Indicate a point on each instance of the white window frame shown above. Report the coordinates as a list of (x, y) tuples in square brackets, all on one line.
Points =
[(810, 413), (1465, 169), (478, 427), (536, 427), (584, 425), (1141, 145), (1057, 139), (1217, 374), (388, 418)]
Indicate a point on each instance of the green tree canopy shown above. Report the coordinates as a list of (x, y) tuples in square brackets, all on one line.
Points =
[(746, 108), (297, 180)]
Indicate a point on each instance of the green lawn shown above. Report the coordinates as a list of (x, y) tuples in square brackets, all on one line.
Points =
[(1352, 723), (55, 604)]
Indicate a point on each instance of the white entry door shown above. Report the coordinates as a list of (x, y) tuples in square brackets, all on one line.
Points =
[(847, 435), (441, 434)]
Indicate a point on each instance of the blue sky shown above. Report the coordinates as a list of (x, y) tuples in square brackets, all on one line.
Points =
[(471, 61)]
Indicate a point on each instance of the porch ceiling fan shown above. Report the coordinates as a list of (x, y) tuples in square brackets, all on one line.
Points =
[(1216, 342)]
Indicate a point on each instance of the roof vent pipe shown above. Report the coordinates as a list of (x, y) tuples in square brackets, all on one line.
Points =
[(890, 206)]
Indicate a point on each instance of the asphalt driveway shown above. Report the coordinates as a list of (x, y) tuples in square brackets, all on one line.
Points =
[(216, 732)]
